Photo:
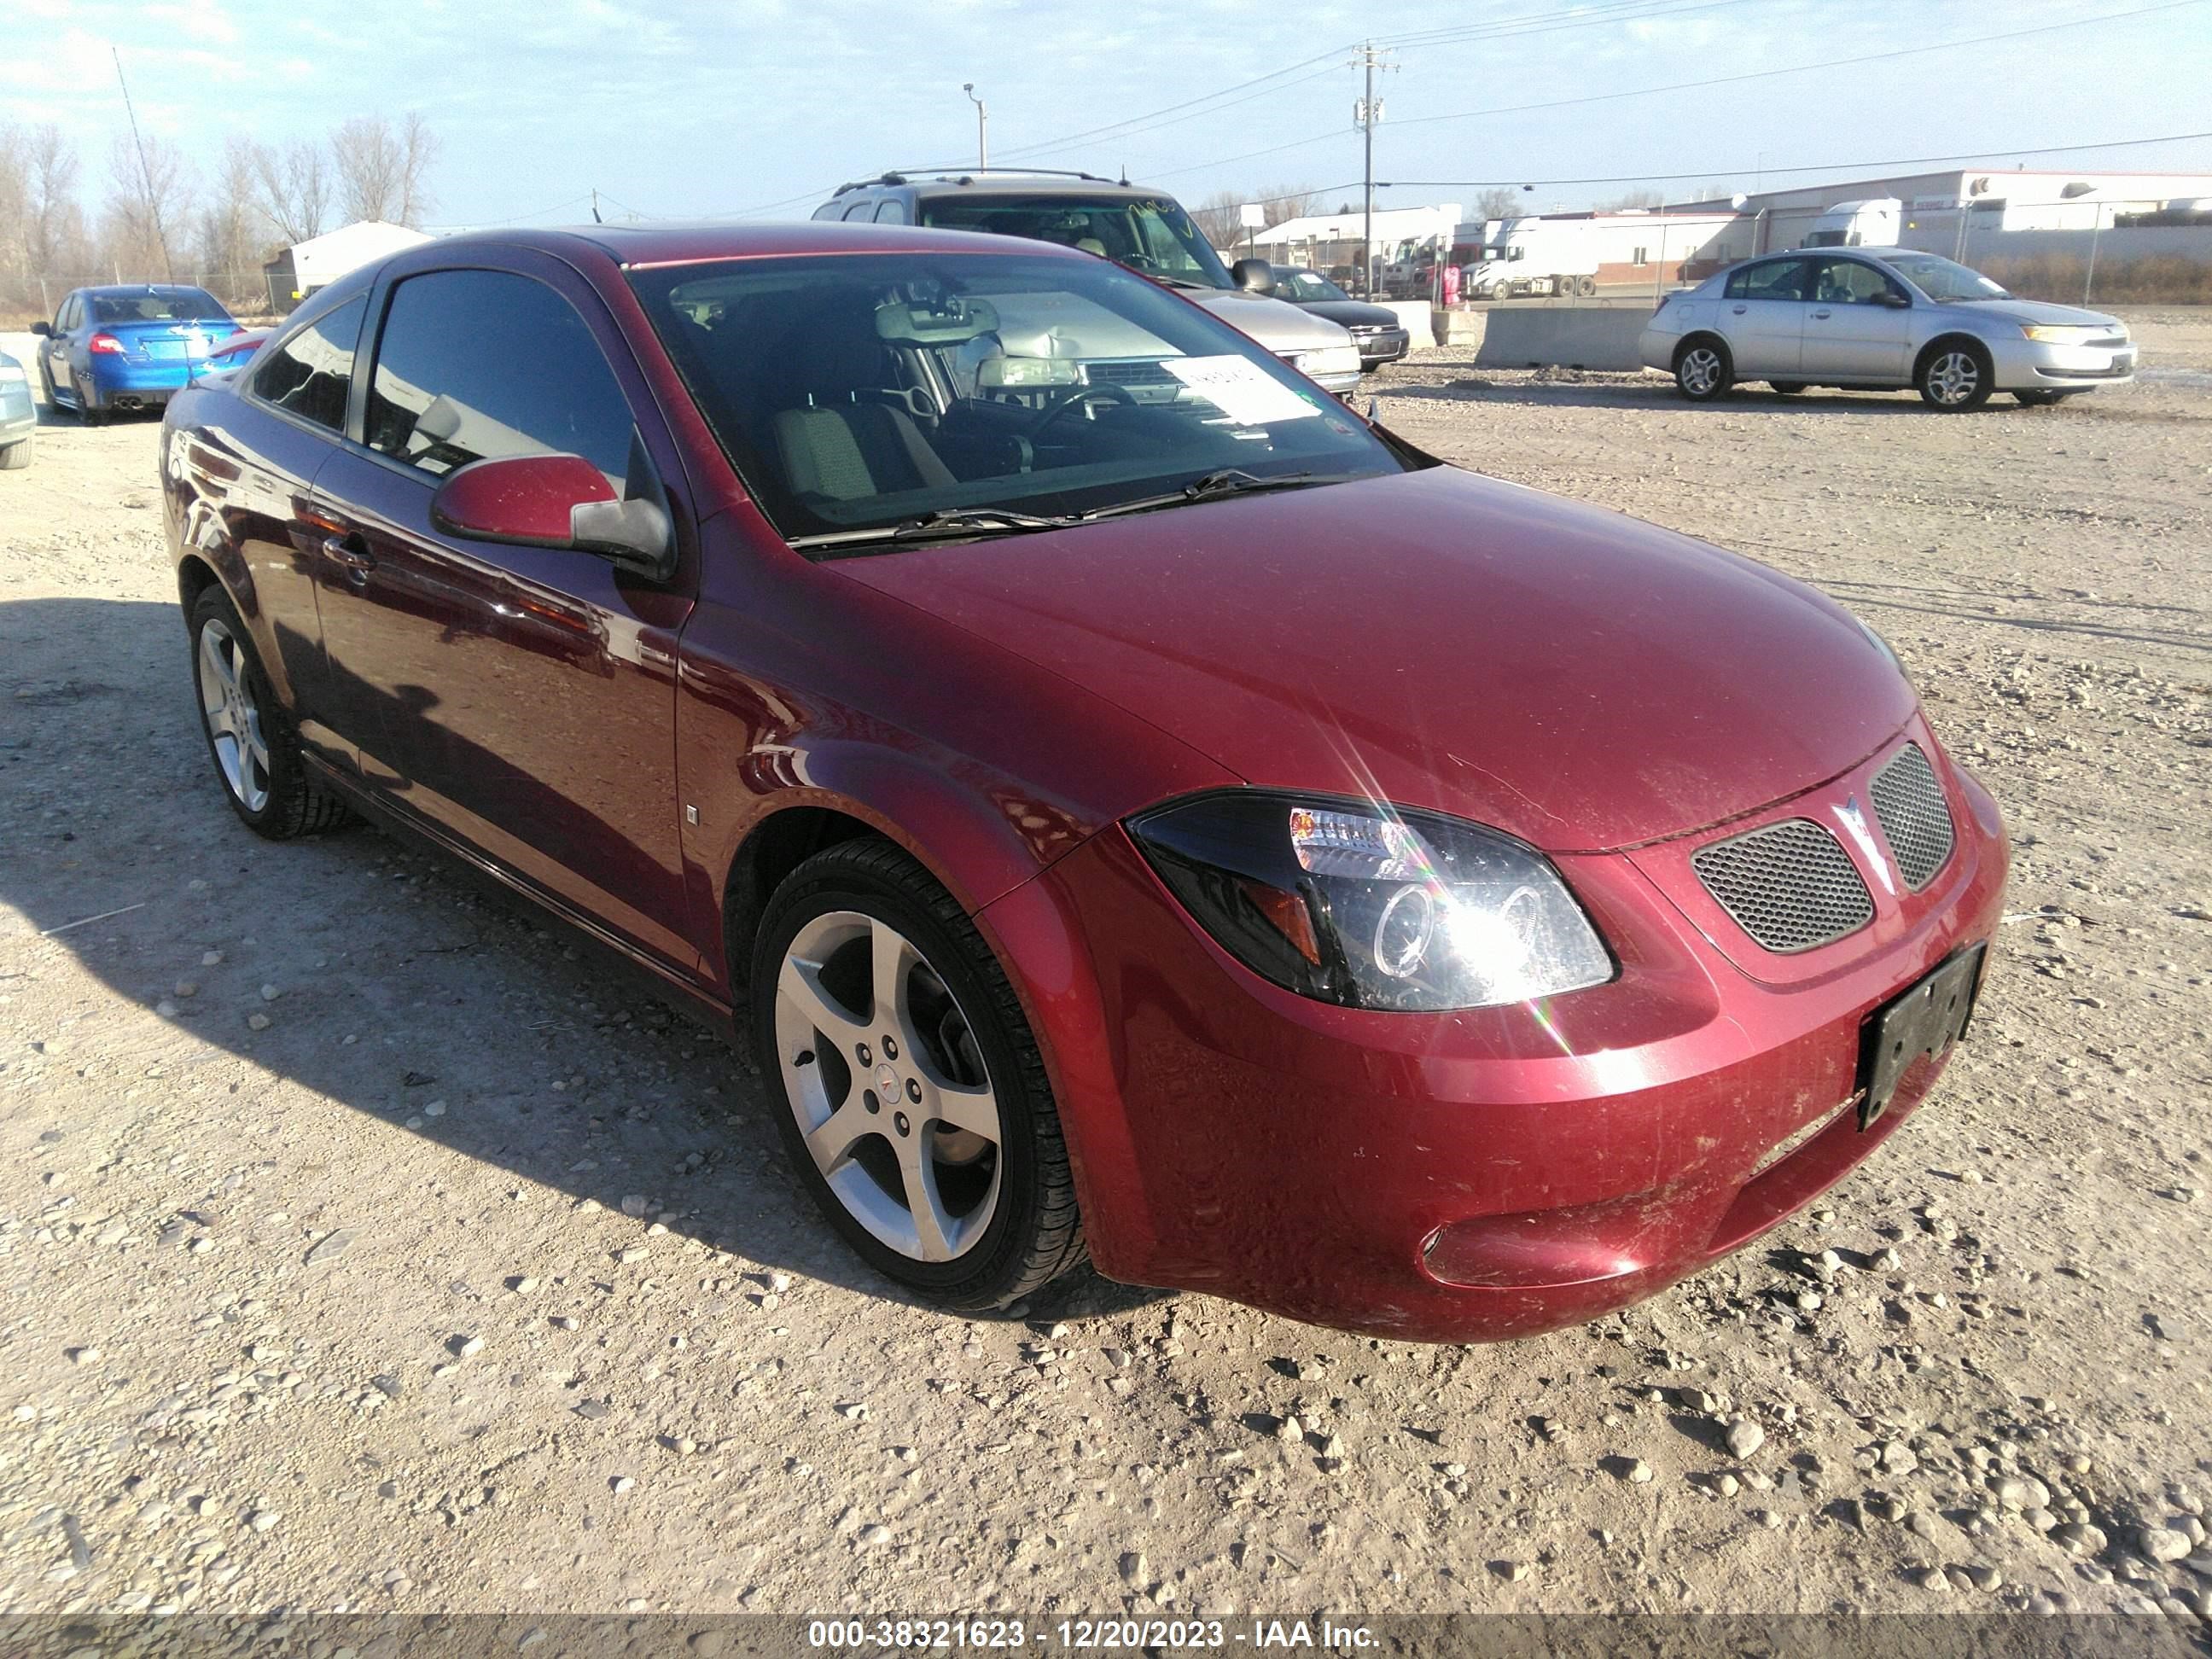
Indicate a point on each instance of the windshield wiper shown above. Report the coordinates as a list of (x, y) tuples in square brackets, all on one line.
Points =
[(1229, 480), (944, 525)]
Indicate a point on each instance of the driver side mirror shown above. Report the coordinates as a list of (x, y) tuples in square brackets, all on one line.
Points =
[(43, 327), (1893, 299), (1256, 275), (559, 502)]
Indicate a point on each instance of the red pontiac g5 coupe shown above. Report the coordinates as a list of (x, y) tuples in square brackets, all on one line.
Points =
[(1136, 807)]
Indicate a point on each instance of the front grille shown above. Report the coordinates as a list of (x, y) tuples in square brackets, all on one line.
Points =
[(1909, 801), (1789, 885)]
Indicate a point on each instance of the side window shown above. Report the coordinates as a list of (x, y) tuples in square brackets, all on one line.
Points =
[(860, 211), (72, 309), (310, 373), (828, 210), (1848, 283), (892, 212), (1777, 279), (478, 364)]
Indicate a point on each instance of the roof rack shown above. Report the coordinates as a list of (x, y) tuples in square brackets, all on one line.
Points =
[(899, 175)]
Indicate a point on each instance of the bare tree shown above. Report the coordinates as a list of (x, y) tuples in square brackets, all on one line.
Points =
[(1499, 202), (381, 166), (1218, 218), (1282, 202), (232, 230), (1646, 198), (148, 203), (294, 188), (53, 224)]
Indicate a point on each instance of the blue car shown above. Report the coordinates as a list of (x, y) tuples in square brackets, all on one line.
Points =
[(127, 347), (19, 419)]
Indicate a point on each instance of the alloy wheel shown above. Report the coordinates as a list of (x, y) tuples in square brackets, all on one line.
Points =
[(1953, 377), (882, 1072), (1700, 371), (233, 716)]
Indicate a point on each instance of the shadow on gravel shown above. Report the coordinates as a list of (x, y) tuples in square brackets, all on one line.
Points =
[(408, 988), (1658, 394)]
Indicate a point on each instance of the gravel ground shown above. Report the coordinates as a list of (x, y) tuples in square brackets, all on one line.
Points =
[(370, 1244)]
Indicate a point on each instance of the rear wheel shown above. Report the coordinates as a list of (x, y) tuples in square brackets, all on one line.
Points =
[(2037, 399), (1787, 388), (88, 409), (17, 456), (1702, 369), (909, 1090), (1587, 287), (1954, 377), (256, 756)]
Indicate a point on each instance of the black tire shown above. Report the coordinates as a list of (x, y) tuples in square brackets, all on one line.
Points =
[(87, 410), (1587, 287), (1703, 370), (291, 802), (2037, 399), (1953, 376), (1035, 1234), (1787, 388), (14, 457)]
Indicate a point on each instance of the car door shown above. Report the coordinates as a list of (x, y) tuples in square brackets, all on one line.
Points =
[(1856, 327), (1762, 317), (58, 345), (522, 699)]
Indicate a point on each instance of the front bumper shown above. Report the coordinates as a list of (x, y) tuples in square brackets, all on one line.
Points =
[(1470, 1177), (1382, 346), (2035, 365)]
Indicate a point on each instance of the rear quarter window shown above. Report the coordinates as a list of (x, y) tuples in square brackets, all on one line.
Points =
[(309, 373)]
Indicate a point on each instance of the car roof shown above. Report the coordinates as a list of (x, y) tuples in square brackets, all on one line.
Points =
[(664, 243), (107, 289)]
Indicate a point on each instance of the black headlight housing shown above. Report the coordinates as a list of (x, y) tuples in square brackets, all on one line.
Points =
[(1367, 905)]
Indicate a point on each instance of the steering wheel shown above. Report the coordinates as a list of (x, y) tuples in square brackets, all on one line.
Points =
[(1080, 396)]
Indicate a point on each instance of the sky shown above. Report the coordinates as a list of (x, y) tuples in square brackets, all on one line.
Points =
[(694, 108)]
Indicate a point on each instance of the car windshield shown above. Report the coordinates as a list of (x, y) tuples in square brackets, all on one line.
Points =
[(159, 305), (1942, 279), (1305, 285), (863, 393), (1150, 233)]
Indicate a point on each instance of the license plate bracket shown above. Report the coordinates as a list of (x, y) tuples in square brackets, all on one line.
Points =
[(1926, 1017)]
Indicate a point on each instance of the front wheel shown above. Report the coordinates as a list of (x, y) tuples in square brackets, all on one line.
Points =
[(909, 1090), (256, 756), (1702, 372), (1955, 378)]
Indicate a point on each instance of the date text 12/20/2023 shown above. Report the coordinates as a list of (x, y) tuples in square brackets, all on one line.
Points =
[(878, 1635)]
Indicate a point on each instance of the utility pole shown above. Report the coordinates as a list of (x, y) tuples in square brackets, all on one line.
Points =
[(1365, 114), (983, 128), (145, 172)]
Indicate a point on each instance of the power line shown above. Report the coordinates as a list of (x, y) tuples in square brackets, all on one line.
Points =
[(1807, 166), (1686, 86)]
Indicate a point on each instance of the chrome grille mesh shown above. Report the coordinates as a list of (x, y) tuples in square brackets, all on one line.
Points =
[(1789, 885), (1909, 801)]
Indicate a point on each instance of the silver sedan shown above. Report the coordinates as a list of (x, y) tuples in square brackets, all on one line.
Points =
[(1883, 318)]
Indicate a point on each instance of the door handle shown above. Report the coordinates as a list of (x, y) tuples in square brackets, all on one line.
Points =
[(1739, 311), (1820, 313), (350, 552)]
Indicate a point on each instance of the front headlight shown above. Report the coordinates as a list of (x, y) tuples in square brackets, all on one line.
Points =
[(2058, 333), (1330, 360), (1354, 903)]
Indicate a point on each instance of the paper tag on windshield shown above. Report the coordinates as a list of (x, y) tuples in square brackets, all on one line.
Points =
[(1240, 389)]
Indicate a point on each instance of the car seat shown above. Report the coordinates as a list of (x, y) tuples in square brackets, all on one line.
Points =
[(844, 440)]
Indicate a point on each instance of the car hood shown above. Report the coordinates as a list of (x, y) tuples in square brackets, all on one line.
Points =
[(2032, 311), (1275, 324), (1435, 639), (1350, 313)]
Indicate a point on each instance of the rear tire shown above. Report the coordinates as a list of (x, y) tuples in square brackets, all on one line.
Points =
[(87, 410), (1703, 372), (1954, 377), (17, 456), (2037, 399), (1787, 388), (1587, 287), (973, 1218), (256, 754)]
